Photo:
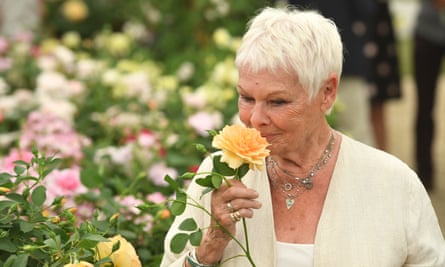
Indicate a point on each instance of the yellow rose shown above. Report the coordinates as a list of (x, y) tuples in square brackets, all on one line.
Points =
[(241, 145), (79, 264), (75, 10), (125, 256)]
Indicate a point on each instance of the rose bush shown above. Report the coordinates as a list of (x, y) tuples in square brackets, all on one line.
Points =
[(118, 123)]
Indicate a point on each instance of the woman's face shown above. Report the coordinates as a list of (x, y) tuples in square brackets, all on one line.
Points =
[(278, 106)]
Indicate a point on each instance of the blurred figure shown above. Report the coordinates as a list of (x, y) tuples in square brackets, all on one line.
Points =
[(19, 16), (429, 48), (384, 75), (352, 18)]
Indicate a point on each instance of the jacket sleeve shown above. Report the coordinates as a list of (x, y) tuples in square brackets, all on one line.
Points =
[(426, 245)]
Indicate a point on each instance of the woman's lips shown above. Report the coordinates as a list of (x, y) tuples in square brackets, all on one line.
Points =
[(268, 136)]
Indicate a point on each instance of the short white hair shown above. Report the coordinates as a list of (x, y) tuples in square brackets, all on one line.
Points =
[(302, 42)]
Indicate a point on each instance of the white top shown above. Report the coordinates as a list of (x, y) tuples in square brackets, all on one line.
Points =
[(290, 254)]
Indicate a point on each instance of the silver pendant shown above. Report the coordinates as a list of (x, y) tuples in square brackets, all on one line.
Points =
[(287, 186), (289, 203), (307, 182)]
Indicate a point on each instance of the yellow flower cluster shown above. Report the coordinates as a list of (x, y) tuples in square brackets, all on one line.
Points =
[(125, 256)]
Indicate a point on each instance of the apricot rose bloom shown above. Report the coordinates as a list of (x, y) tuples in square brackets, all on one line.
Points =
[(125, 256), (241, 145)]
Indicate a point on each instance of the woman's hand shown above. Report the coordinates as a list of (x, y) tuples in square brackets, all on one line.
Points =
[(229, 205)]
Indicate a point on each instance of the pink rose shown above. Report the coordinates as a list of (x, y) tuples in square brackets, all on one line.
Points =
[(156, 197), (64, 183), (158, 171), (204, 121)]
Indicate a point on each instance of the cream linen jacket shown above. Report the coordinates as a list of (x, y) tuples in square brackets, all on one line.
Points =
[(376, 214)]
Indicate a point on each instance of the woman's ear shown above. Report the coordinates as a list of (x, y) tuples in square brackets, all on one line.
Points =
[(329, 92)]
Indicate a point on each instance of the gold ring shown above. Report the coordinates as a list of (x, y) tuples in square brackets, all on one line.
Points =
[(229, 206), (235, 216)]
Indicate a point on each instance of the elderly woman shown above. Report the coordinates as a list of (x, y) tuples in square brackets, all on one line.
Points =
[(323, 199)]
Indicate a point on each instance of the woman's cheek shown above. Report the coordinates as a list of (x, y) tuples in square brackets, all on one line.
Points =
[(244, 113)]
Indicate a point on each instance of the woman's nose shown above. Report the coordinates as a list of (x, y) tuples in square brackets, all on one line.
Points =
[(258, 116)]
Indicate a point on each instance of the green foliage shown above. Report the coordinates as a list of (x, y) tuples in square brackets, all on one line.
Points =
[(35, 234)]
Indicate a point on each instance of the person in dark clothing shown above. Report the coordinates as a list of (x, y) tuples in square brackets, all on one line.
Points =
[(384, 75), (429, 50)]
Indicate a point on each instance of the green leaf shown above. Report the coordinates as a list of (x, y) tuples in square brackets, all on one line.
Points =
[(171, 182), (5, 178), (178, 205), (38, 196), (94, 237), (195, 238), (16, 197), (101, 225), (6, 204), (26, 227), (222, 167), (10, 261), (7, 245), (242, 170), (50, 243), (90, 177), (87, 244), (216, 181), (188, 175), (178, 242), (19, 170), (20, 261), (21, 163), (205, 182), (188, 225)]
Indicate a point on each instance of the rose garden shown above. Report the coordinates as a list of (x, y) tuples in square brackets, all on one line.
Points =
[(96, 108)]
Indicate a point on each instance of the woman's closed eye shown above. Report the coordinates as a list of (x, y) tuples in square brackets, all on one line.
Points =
[(247, 99), (278, 102)]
